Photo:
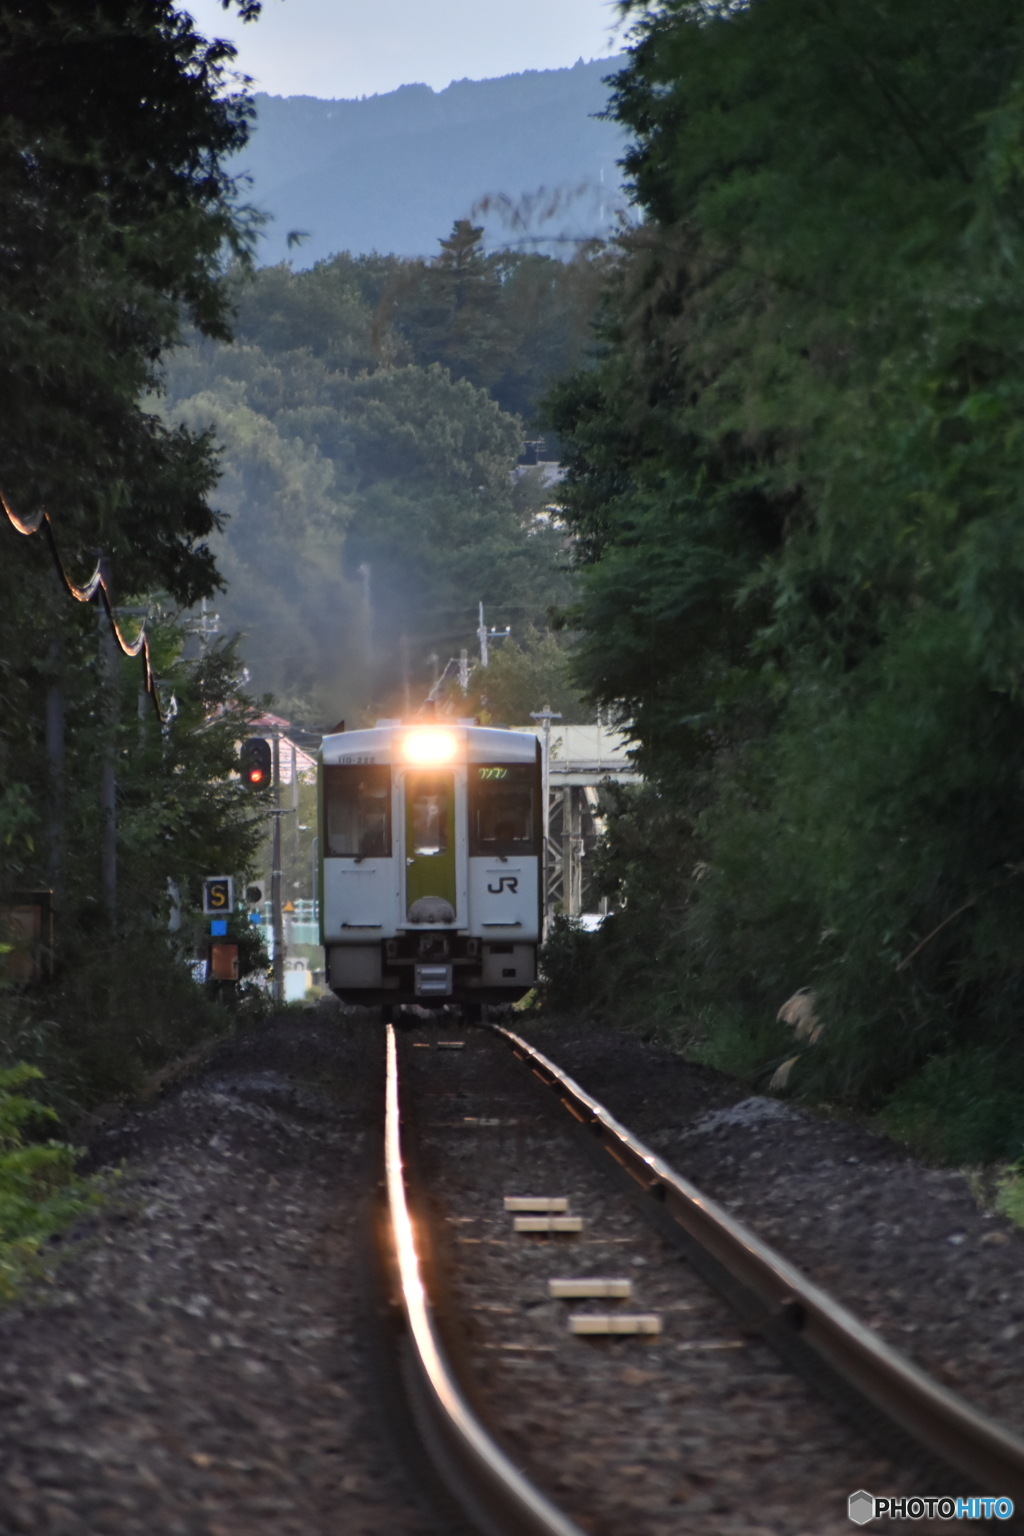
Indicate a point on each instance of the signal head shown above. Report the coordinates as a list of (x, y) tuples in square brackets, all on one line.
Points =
[(256, 762)]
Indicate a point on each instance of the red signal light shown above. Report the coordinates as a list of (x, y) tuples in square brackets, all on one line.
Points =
[(256, 763)]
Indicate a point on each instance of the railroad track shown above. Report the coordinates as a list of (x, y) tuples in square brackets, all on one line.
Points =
[(518, 1141)]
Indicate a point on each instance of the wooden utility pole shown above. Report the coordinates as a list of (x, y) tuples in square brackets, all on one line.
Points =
[(109, 669), (403, 648), (481, 634), (56, 851), (365, 575)]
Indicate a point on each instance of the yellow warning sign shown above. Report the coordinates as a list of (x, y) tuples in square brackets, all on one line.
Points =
[(287, 907)]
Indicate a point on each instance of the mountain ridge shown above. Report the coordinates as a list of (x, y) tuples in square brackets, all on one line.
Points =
[(391, 172)]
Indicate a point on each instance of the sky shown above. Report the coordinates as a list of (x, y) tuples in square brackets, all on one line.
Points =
[(348, 48)]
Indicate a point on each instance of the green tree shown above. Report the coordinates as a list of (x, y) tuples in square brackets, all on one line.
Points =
[(117, 119), (119, 218), (795, 475), (329, 311), (507, 321), (524, 675)]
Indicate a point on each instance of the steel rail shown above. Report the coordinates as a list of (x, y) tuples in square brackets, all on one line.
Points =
[(491, 1490), (780, 1299)]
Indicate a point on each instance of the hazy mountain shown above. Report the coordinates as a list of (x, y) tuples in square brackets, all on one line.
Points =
[(391, 173)]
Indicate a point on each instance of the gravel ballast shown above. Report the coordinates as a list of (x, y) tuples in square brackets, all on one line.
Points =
[(905, 1246), (697, 1429), (200, 1364), (197, 1368)]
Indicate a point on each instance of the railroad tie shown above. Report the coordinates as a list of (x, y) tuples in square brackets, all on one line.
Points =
[(549, 1221), (578, 1290), (547, 1224), (599, 1322), (551, 1204)]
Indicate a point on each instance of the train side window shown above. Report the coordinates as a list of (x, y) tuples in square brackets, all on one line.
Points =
[(357, 803), (502, 810)]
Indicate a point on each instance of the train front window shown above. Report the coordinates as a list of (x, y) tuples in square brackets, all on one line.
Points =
[(428, 802), (357, 803), (502, 810)]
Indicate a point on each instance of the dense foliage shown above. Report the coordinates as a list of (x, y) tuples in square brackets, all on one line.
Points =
[(525, 675), (796, 477), (116, 211), (509, 321), (118, 219)]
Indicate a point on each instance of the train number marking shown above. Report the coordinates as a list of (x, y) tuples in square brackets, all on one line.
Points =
[(357, 759), (505, 883)]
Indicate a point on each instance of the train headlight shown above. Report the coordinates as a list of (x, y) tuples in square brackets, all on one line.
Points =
[(429, 747)]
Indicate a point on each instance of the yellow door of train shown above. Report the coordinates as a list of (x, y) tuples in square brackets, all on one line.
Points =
[(430, 883)]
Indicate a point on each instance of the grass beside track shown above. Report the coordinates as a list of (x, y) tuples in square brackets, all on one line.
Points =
[(40, 1193)]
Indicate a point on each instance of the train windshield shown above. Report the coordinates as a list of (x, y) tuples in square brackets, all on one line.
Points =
[(428, 801), (502, 810), (357, 804)]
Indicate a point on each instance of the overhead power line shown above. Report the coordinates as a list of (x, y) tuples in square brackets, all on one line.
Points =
[(97, 583)]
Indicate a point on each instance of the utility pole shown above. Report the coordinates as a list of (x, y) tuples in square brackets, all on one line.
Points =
[(485, 635), (276, 916), (57, 829), (572, 851), (55, 766), (207, 626), (403, 646), (109, 657), (481, 635), (295, 801), (464, 670), (545, 716), (365, 573)]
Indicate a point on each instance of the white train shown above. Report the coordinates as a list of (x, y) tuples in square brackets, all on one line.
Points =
[(430, 848)]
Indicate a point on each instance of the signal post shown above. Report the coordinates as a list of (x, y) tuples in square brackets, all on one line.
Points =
[(276, 915), (260, 767)]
